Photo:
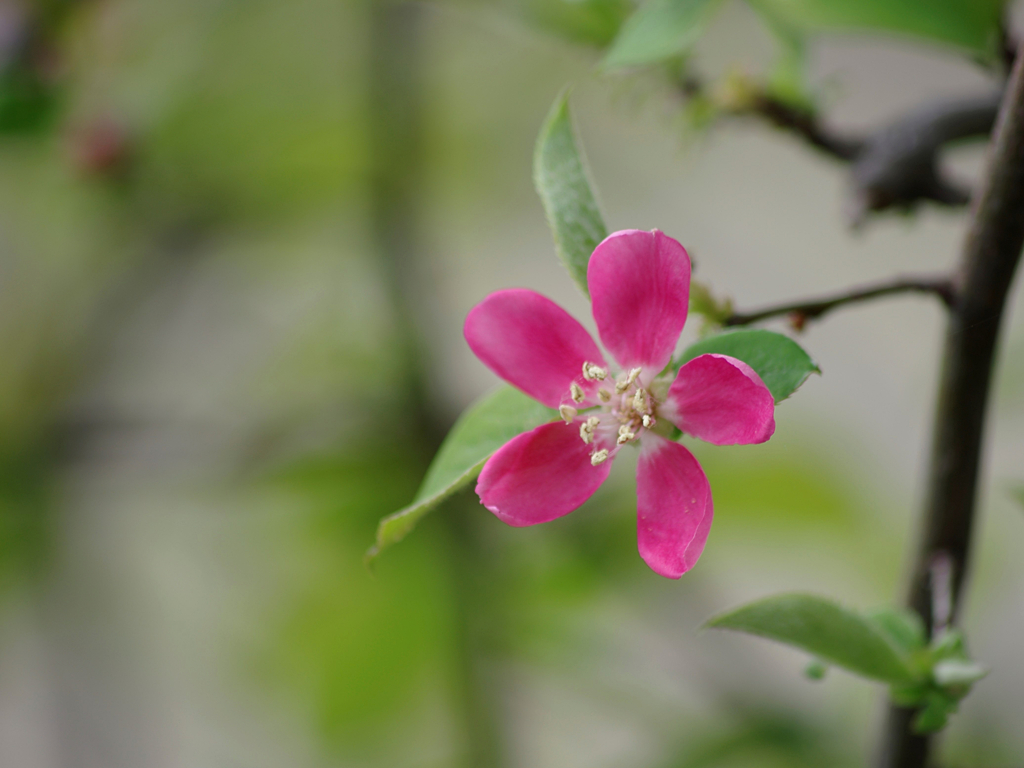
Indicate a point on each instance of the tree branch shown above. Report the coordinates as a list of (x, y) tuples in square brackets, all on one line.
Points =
[(898, 166), (893, 167), (811, 309), (807, 125), (991, 254)]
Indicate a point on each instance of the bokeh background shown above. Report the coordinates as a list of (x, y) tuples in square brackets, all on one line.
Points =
[(237, 242)]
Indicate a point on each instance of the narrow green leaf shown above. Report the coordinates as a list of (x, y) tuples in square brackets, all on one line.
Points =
[(970, 25), (821, 627), (780, 362), (484, 427), (658, 30), (560, 175)]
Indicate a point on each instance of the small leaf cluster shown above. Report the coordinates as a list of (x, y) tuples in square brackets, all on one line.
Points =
[(661, 29), (886, 645), (946, 675)]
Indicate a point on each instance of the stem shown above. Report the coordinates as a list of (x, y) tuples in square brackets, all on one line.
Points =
[(810, 309), (991, 253)]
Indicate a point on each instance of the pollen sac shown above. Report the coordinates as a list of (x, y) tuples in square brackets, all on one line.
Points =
[(576, 392), (599, 457), (604, 395), (592, 372), (642, 401), (649, 421), (587, 429), (631, 377), (567, 412), (625, 434)]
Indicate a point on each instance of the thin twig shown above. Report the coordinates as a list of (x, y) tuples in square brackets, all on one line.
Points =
[(991, 254), (807, 125), (802, 311)]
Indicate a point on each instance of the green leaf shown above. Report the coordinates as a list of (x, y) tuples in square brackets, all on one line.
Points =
[(787, 79), (588, 22), (935, 713), (560, 175), (821, 627), (484, 427), (903, 628), (780, 362), (658, 30), (970, 25)]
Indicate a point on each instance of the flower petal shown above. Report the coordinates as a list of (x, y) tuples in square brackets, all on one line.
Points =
[(721, 400), (540, 475), (532, 343), (640, 285), (674, 509)]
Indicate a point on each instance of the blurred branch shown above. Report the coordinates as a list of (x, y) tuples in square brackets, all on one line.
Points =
[(805, 124), (898, 165), (895, 166), (811, 309), (991, 254), (395, 94)]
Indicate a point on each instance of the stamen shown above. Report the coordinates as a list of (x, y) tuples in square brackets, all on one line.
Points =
[(604, 394), (567, 412), (599, 457), (592, 372), (622, 386), (576, 392), (649, 421), (625, 434), (587, 429), (641, 401)]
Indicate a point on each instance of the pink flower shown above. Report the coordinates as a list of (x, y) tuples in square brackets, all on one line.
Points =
[(640, 286)]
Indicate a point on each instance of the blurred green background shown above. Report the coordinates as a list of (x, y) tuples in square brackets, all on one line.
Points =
[(237, 242)]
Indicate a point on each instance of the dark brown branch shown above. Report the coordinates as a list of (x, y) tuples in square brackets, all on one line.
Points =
[(807, 125), (991, 254), (802, 311), (894, 167), (898, 166)]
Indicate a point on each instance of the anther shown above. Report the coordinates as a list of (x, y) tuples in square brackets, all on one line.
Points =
[(622, 386), (567, 412), (576, 392), (587, 429), (649, 421), (641, 402), (604, 394), (625, 434), (593, 372), (599, 457)]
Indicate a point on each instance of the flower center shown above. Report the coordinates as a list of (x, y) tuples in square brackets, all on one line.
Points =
[(621, 414)]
